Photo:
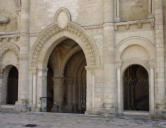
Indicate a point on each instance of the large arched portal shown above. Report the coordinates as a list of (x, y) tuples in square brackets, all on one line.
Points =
[(66, 78), (136, 88)]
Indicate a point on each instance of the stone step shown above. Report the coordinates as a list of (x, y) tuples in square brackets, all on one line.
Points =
[(137, 114), (7, 108)]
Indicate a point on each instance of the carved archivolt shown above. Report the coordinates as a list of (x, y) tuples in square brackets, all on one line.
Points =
[(9, 47), (4, 48), (146, 44), (4, 19), (140, 41), (67, 27)]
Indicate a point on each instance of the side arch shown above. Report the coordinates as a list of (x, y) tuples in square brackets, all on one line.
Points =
[(9, 47), (142, 64), (139, 41), (4, 92), (131, 51)]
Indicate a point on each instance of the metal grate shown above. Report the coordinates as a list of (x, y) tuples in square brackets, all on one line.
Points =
[(136, 89)]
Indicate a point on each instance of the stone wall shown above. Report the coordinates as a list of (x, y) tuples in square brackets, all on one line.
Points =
[(113, 35), (133, 9), (10, 10)]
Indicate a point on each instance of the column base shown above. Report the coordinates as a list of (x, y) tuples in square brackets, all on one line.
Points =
[(35, 109), (159, 114), (57, 108), (102, 112), (21, 107)]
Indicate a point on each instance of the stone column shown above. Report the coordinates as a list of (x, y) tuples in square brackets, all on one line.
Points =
[(58, 94), (33, 89), (23, 89), (109, 57), (152, 88), (150, 8), (90, 94), (117, 11), (119, 89), (41, 90), (74, 95), (160, 74), (70, 93), (1, 85)]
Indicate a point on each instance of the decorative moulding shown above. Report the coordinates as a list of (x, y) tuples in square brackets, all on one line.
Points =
[(62, 17), (4, 19), (130, 24)]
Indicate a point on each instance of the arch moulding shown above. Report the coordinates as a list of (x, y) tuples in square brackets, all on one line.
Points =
[(54, 34), (139, 41), (9, 47)]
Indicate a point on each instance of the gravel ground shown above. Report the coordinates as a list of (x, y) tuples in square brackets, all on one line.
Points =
[(58, 120)]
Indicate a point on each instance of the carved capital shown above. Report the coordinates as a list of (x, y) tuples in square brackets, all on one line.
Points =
[(4, 19), (152, 64), (92, 68), (118, 64)]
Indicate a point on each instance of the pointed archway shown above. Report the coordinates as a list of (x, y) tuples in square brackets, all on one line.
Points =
[(42, 49), (66, 78)]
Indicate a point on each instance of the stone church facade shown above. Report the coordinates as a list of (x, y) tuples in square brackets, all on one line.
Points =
[(83, 56)]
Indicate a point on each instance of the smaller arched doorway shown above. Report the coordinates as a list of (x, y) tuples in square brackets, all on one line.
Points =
[(10, 85), (136, 88)]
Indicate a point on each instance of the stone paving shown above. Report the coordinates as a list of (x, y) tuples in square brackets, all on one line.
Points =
[(55, 120)]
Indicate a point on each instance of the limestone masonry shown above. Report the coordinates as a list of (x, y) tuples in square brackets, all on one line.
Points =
[(83, 56)]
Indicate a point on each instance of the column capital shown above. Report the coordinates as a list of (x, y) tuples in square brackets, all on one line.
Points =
[(42, 69), (33, 70), (118, 64), (42, 72), (152, 64), (91, 68)]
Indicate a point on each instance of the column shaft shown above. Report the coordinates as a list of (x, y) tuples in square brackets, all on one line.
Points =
[(90, 95), (1, 88), (42, 89), (152, 92), (58, 93)]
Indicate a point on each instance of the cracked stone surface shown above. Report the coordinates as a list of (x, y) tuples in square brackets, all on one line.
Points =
[(57, 120)]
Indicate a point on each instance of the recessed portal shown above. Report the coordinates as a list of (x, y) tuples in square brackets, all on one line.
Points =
[(66, 79), (12, 86), (136, 88)]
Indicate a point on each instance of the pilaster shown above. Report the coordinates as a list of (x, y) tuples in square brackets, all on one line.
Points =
[(160, 74), (109, 57), (90, 92), (23, 96)]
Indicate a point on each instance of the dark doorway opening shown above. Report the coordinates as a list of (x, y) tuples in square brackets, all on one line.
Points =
[(50, 89), (66, 79), (136, 88), (12, 86)]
